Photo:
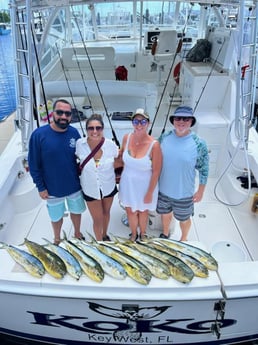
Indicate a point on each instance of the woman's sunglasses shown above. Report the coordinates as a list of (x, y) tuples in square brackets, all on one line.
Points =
[(91, 128), (143, 122)]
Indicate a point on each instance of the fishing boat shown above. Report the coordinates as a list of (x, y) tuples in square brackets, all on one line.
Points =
[(5, 29), (71, 49)]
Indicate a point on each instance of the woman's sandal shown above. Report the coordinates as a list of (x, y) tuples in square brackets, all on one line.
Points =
[(106, 238), (164, 236), (81, 237), (57, 241), (143, 237), (133, 238)]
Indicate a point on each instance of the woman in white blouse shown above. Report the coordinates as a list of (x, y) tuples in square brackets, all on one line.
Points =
[(98, 176)]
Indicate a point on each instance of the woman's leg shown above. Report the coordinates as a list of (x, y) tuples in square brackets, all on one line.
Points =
[(143, 222), (106, 206), (96, 211), (133, 220)]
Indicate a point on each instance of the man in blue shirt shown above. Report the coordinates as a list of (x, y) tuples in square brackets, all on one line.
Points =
[(183, 153), (52, 164)]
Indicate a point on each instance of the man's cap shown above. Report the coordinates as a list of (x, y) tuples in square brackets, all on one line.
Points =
[(141, 112), (183, 111)]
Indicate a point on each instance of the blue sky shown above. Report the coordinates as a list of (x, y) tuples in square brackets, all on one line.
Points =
[(4, 4)]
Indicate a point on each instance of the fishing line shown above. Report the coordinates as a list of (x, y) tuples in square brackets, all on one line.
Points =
[(40, 76), (178, 50), (96, 81), (84, 84), (68, 85), (209, 75), (166, 83), (170, 103)]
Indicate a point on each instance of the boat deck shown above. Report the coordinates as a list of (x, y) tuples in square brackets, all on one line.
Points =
[(35, 225), (208, 232), (208, 225)]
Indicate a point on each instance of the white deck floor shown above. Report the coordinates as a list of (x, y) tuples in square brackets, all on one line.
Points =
[(212, 223)]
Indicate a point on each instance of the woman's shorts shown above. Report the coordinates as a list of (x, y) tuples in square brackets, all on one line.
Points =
[(182, 209), (113, 193), (74, 203)]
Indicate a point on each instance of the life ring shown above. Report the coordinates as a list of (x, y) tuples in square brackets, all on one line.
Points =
[(176, 72)]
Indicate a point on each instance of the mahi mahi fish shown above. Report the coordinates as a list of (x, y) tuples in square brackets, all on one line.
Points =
[(72, 264), (51, 262), (109, 265), (134, 268), (158, 268), (90, 266), (28, 261), (178, 269), (198, 253), (199, 269)]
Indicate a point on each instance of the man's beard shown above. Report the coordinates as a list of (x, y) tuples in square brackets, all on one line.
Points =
[(61, 125)]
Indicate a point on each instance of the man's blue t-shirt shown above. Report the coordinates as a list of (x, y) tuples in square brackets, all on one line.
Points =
[(52, 160)]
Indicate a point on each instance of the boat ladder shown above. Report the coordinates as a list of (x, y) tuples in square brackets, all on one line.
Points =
[(247, 64), (24, 55)]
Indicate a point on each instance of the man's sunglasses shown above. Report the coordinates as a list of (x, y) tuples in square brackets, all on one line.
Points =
[(182, 118), (60, 112)]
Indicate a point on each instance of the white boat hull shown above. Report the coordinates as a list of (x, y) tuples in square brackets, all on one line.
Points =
[(219, 309), (77, 320)]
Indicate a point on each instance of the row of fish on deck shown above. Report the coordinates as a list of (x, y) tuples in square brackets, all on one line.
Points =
[(121, 258)]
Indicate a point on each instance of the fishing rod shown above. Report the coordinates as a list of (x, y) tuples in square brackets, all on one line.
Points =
[(96, 81), (169, 108), (209, 75), (40, 75), (164, 89), (84, 84), (70, 91), (178, 50)]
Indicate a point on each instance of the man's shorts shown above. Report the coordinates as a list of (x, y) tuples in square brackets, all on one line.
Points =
[(182, 209), (74, 203)]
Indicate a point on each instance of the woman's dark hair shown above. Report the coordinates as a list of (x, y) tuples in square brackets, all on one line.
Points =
[(95, 117)]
